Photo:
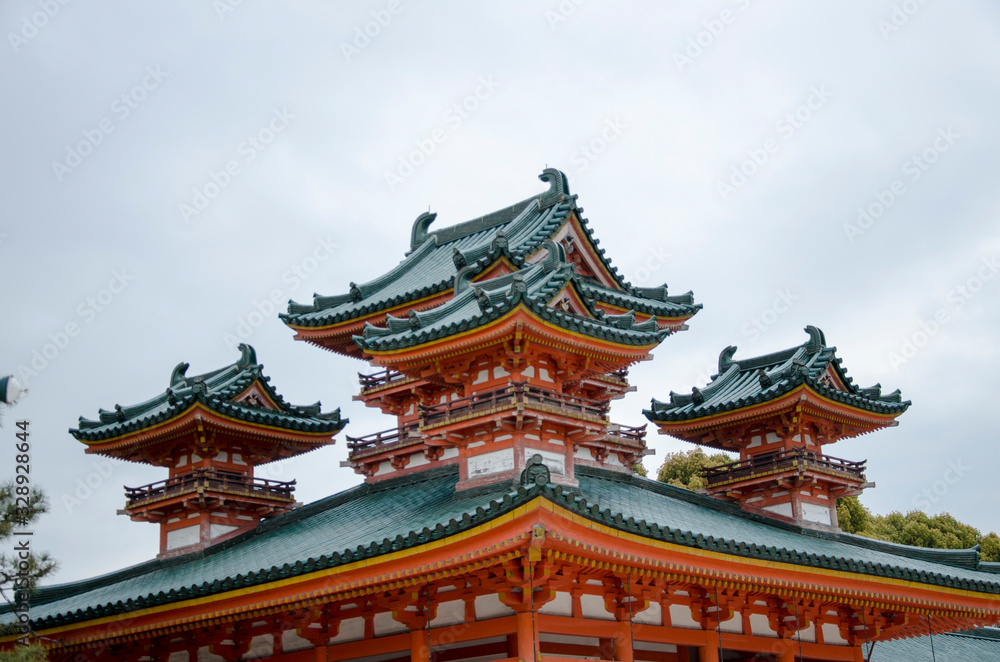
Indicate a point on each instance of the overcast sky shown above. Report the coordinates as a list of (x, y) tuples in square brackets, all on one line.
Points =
[(724, 148)]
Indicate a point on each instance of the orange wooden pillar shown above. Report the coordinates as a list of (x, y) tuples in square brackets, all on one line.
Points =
[(527, 643), (623, 642), (786, 653), (420, 645), (859, 654), (708, 653)]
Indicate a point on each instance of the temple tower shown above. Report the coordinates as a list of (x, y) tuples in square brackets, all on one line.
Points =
[(496, 340), (210, 431), (778, 411)]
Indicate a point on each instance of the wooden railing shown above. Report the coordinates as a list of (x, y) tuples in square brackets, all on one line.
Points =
[(518, 393), (624, 434), (380, 439), (379, 379), (212, 480), (765, 463)]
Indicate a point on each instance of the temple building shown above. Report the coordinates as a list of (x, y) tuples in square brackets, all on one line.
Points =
[(778, 412), (210, 431), (499, 516)]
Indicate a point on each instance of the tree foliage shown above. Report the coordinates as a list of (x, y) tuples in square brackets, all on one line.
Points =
[(14, 517), (683, 468), (24, 654), (916, 528)]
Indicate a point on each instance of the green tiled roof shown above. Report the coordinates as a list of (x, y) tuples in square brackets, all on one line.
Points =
[(424, 507), (744, 382), (437, 257), (215, 390), (981, 645), (534, 286)]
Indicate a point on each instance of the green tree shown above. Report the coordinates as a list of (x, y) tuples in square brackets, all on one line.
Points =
[(24, 654), (683, 468), (13, 517)]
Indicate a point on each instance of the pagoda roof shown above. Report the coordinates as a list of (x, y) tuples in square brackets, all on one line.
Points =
[(514, 233), (426, 508), (748, 382), (215, 391), (533, 287)]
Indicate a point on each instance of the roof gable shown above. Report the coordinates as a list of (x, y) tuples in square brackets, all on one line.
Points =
[(239, 390), (761, 379)]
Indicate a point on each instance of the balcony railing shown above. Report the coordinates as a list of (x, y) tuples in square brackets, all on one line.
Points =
[(624, 434), (380, 379), (518, 393), (213, 481), (381, 440), (766, 463)]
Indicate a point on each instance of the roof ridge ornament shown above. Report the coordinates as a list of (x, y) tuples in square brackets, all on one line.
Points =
[(248, 356), (697, 397), (558, 184), (554, 255), (355, 293), (458, 258), (764, 378), (482, 299), (726, 358), (535, 473), (177, 376), (817, 339), (499, 243), (464, 277), (419, 233)]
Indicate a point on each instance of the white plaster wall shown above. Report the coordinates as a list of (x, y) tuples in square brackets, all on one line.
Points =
[(189, 535), (812, 512), (260, 646), (761, 626), (216, 530), (593, 607), (556, 462), (351, 629), (205, 655), (651, 615), (449, 613), (386, 624), (561, 605), (780, 508), (491, 463), (680, 617), (489, 606), (291, 642), (831, 635)]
